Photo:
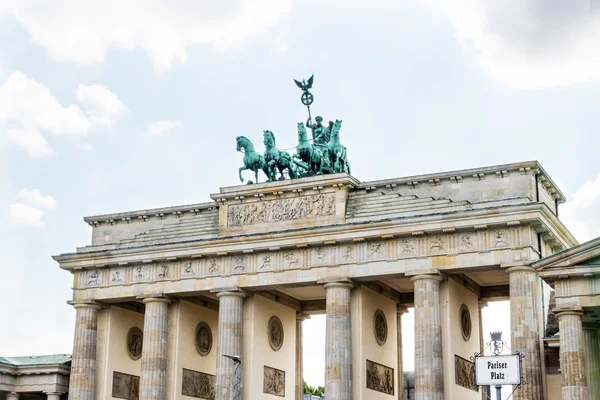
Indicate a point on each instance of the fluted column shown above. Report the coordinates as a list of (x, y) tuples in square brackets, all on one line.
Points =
[(485, 390), (53, 396), (591, 351), (82, 383), (429, 367), (230, 334), (338, 342), (525, 329), (572, 361), (12, 396), (153, 372), (300, 318), (400, 310)]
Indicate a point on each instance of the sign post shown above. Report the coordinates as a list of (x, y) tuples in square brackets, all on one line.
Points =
[(499, 369)]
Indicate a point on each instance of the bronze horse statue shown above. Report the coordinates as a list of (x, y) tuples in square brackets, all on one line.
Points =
[(252, 160), (311, 156), (276, 159), (337, 152)]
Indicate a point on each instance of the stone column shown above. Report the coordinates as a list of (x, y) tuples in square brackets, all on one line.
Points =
[(300, 318), (572, 361), (12, 396), (230, 340), (400, 310), (153, 371), (524, 325), (429, 367), (591, 351), (82, 384), (338, 342), (485, 390), (53, 395)]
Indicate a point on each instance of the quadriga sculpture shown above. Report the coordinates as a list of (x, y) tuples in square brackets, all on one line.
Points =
[(311, 156), (252, 160), (337, 152), (276, 159)]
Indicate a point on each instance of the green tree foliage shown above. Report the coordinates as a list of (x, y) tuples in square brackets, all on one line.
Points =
[(319, 391)]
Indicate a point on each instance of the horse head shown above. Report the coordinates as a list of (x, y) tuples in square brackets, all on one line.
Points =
[(268, 138), (243, 142), (302, 132), (335, 131)]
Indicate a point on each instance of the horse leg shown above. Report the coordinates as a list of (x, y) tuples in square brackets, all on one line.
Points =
[(240, 173)]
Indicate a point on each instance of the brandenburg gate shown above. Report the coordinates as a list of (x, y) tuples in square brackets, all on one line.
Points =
[(162, 296)]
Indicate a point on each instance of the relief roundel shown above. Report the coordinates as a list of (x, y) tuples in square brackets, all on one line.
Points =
[(135, 340), (275, 332), (381, 328), (465, 322), (204, 339)]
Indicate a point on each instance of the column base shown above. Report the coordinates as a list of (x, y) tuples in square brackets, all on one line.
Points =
[(575, 393)]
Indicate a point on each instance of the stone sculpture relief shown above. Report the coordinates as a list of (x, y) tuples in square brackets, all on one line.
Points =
[(198, 384), (406, 247), (187, 268), (135, 340), (93, 278), (500, 239), (266, 262), (163, 271), (274, 382), (465, 322), (380, 327), (125, 386), (281, 210), (380, 378), (464, 373), (466, 242), (275, 332), (204, 339), (437, 244), (395, 248)]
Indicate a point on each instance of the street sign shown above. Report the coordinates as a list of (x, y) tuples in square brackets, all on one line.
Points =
[(498, 370)]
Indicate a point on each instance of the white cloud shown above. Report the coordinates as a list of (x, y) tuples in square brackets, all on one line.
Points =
[(163, 128), (32, 108), (85, 146), (581, 213), (31, 141), (101, 105), (34, 197), (23, 214), (529, 44), (83, 31)]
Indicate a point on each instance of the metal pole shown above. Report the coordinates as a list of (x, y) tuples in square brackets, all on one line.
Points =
[(498, 392), (237, 392)]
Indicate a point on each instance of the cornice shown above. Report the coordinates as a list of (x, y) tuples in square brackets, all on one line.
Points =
[(310, 236), (570, 257)]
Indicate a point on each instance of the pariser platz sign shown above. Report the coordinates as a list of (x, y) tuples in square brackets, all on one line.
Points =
[(498, 370)]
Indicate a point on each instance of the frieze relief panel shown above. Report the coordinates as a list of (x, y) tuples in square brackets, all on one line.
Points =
[(198, 384), (288, 209), (418, 246), (380, 378)]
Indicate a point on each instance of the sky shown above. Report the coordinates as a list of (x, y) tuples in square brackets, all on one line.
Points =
[(114, 106)]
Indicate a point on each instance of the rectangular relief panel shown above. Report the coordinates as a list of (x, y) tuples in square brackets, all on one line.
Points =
[(198, 384), (464, 373), (380, 378), (274, 382), (125, 386)]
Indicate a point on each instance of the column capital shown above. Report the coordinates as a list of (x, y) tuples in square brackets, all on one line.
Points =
[(346, 283), (563, 312), (431, 277), (231, 293), (84, 304), (521, 268), (300, 316), (482, 304), (400, 309)]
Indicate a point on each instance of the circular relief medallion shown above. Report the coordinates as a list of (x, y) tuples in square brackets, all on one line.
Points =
[(204, 338), (381, 328), (465, 322), (135, 340), (275, 332)]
